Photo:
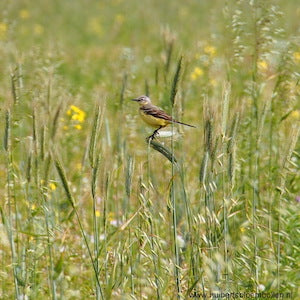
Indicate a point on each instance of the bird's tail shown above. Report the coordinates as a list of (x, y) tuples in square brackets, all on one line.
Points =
[(184, 124)]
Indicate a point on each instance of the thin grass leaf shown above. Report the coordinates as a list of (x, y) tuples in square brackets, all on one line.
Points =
[(175, 83), (285, 116), (62, 176), (42, 143), (6, 141), (94, 135)]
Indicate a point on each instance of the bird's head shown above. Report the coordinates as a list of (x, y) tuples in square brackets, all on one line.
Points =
[(142, 100)]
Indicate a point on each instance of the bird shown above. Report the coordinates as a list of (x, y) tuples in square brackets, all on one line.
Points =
[(154, 116)]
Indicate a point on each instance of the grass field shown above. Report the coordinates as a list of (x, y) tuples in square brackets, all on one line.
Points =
[(89, 209)]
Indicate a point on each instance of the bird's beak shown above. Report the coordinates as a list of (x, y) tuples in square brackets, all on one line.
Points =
[(134, 99)]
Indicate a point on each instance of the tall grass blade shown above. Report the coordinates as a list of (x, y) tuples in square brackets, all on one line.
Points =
[(6, 140), (94, 136), (175, 82)]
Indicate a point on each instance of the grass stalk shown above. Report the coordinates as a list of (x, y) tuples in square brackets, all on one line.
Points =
[(175, 81), (66, 187), (8, 223), (173, 93), (150, 222), (95, 169), (226, 193)]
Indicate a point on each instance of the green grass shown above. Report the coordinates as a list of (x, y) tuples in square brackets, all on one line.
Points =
[(89, 209)]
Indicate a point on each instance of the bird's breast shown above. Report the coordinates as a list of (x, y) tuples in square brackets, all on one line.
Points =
[(153, 121)]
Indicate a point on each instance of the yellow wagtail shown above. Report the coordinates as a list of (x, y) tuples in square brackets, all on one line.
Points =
[(154, 116)]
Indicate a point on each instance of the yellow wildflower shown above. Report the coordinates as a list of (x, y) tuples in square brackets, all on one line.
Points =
[(33, 207), (75, 117), (3, 30), (38, 29), (75, 108), (242, 229), (52, 186), (78, 117), (76, 113), (296, 56), (295, 115), (210, 50), (97, 213), (262, 65), (24, 14), (196, 73)]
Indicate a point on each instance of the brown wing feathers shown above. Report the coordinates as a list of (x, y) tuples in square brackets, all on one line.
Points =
[(158, 113)]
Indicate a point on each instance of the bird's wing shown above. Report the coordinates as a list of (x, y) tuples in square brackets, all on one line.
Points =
[(156, 112)]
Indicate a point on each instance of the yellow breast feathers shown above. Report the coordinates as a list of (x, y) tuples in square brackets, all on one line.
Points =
[(152, 120)]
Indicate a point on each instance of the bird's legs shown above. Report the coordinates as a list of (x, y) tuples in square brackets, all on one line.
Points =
[(155, 132)]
